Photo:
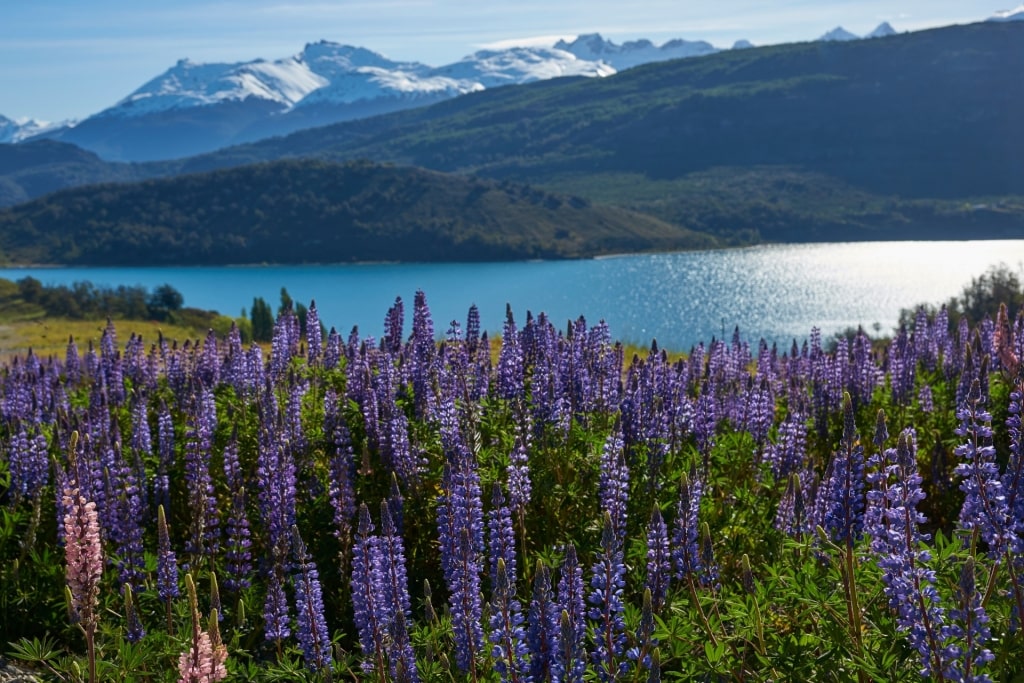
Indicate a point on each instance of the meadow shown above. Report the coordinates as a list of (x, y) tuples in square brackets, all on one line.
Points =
[(433, 505)]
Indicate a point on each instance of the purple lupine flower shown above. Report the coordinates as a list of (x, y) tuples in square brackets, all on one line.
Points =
[(645, 640), (423, 355), (134, 630), (970, 615), (237, 550), (985, 506), (72, 363), (519, 485), (367, 594), (510, 361), (659, 559), (896, 541), (332, 350), (501, 538), (276, 616), (460, 521), (1013, 477), (787, 454), (340, 490), (204, 530), (570, 659), (28, 463), (686, 555), (613, 484), (311, 624), (126, 535), (760, 410), (396, 606), (166, 561), (314, 336), (542, 635), (840, 501), (165, 457), (607, 583), (507, 632), (394, 333), (925, 400)]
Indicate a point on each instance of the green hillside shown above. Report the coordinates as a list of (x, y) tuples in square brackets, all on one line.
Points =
[(314, 211)]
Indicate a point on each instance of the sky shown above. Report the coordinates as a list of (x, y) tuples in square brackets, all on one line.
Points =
[(68, 59)]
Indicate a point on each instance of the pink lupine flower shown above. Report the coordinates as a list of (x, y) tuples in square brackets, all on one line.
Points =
[(84, 554), (204, 661)]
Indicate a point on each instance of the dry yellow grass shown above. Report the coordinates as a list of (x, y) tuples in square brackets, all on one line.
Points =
[(49, 336)]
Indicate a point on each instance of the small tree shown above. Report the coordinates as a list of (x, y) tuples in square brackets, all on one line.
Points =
[(163, 301), (262, 320)]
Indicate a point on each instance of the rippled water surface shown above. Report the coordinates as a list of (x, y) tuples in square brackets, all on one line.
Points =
[(774, 292)]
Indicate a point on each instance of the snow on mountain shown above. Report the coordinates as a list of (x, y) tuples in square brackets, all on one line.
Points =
[(188, 84), (839, 33), (12, 130), (882, 30), (1015, 14), (492, 68), (592, 47)]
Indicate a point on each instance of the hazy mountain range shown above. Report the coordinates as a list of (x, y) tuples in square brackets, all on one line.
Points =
[(193, 108)]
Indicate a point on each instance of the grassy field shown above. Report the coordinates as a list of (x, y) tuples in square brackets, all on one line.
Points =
[(48, 336)]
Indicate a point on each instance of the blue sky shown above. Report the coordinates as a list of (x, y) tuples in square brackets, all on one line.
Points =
[(68, 58)]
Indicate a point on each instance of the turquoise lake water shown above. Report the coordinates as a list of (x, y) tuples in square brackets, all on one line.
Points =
[(773, 292)]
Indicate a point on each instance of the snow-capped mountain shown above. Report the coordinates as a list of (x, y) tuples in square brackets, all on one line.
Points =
[(839, 33), (1015, 14), (592, 47), (192, 108), (17, 130)]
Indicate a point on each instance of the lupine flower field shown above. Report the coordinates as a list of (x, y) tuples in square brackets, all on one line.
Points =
[(434, 505)]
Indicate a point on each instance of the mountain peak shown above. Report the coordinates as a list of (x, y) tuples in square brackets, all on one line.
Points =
[(742, 44), (882, 30), (839, 33), (1015, 14), (592, 47)]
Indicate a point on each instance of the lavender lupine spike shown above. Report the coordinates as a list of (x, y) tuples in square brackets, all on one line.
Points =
[(507, 632), (510, 361), (659, 560), (519, 485), (276, 615), (367, 595), (970, 615), (397, 608), (985, 508), (311, 624), (314, 335), (841, 499), (204, 532), (1013, 485), (165, 452), (543, 634), (570, 659), (501, 538), (607, 583), (896, 540), (613, 484), (686, 556)]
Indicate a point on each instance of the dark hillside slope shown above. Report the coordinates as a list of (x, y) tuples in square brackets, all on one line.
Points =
[(313, 211)]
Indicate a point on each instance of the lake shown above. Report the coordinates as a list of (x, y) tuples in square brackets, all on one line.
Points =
[(775, 292)]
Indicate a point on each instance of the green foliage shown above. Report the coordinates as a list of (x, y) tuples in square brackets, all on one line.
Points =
[(978, 299), (316, 211)]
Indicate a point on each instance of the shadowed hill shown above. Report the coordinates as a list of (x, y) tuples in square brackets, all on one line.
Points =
[(314, 211)]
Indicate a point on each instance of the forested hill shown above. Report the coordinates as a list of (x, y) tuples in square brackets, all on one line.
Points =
[(315, 211)]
